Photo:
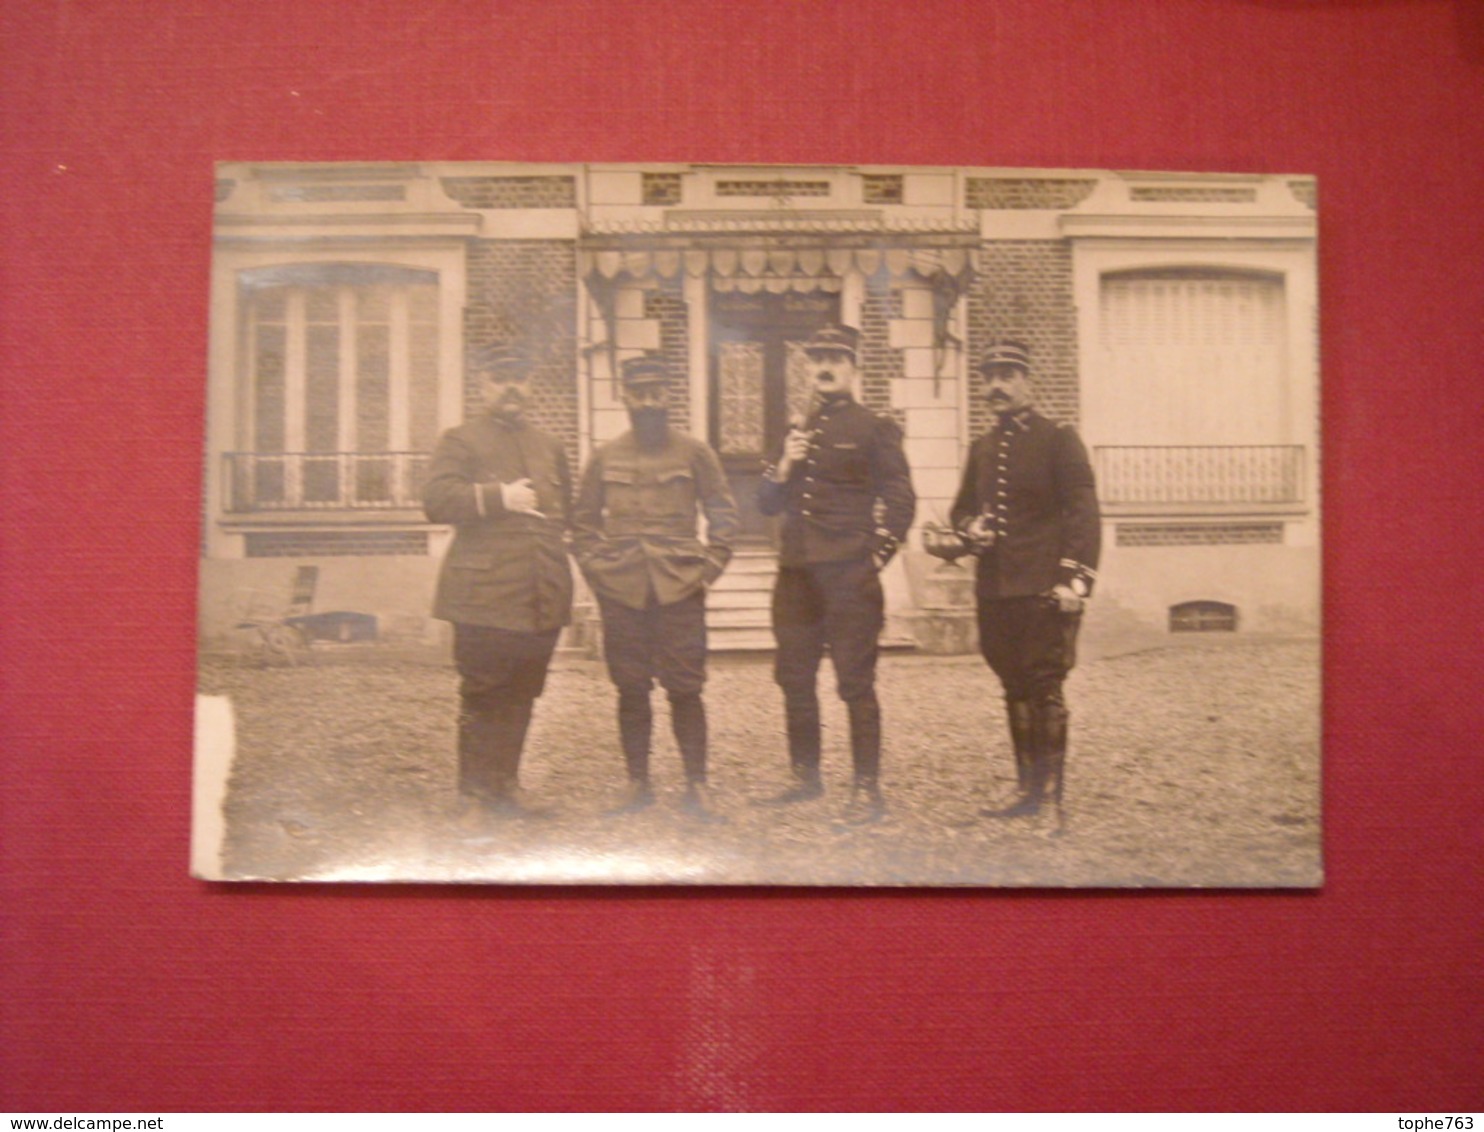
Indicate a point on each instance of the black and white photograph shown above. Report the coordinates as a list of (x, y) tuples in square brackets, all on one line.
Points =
[(760, 525)]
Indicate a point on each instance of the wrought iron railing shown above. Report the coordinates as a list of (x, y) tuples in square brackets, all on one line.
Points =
[(322, 481), (1201, 474)]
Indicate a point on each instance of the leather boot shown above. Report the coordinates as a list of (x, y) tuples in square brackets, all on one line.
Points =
[(479, 754), (865, 737), (688, 721), (801, 711), (1021, 739), (635, 723), (1030, 761), (512, 721), (1054, 754)]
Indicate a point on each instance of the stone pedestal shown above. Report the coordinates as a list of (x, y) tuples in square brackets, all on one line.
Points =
[(944, 621)]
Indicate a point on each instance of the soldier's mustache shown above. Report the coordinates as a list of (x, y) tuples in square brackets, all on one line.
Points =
[(648, 420)]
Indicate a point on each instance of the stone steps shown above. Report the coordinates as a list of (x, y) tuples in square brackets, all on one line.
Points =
[(738, 606)]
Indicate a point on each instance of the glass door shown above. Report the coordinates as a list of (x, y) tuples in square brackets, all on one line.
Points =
[(759, 383)]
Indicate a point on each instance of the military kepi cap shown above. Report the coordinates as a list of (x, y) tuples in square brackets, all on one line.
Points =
[(1005, 352), (644, 369), (501, 361), (841, 339)]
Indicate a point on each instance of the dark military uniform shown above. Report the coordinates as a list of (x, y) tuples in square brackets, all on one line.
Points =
[(828, 594), (635, 537), (1030, 480), (505, 584)]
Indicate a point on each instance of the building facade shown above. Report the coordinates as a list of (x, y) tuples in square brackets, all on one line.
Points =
[(1173, 320)]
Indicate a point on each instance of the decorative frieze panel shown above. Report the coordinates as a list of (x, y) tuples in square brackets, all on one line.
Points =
[(778, 188), (1026, 192), (335, 193), (662, 188), (882, 188), (512, 192), (1187, 194), (1198, 534)]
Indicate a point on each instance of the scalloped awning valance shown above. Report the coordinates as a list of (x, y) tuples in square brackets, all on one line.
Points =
[(777, 263)]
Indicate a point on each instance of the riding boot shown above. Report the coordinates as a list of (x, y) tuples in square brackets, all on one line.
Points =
[(1054, 720), (866, 804), (1019, 715), (1029, 737), (801, 713), (512, 721), (865, 738), (479, 753), (688, 721), (635, 722)]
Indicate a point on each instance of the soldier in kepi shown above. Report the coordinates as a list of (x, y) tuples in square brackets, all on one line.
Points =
[(636, 538), (1027, 507), (505, 488), (845, 493)]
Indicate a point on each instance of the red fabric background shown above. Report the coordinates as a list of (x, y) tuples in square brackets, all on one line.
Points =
[(126, 985)]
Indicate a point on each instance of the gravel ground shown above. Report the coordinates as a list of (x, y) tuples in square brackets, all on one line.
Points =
[(1192, 764)]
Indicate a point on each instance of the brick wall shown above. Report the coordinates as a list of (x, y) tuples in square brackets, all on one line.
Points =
[(879, 363), (667, 304), (1024, 290), (523, 292)]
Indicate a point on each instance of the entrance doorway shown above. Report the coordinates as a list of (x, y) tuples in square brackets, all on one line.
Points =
[(758, 383)]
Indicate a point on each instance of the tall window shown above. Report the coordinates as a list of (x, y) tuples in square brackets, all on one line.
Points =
[(1195, 406), (342, 385), (1195, 356)]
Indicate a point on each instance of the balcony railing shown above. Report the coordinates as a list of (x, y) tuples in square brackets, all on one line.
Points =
[(322, 481), (1191, 474)]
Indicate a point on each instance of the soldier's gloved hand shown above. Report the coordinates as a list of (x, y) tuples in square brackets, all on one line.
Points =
[(979, 533), (1066, 599), (520, 496), (885, 551)]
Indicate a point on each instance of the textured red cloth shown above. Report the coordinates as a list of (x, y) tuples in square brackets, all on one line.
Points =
[(127, 986)]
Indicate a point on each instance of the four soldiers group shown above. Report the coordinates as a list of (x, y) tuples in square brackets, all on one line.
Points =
[(841, 485)]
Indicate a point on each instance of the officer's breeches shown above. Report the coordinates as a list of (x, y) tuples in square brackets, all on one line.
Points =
[(665, 643), (501, 674), (1030, 645), (836, 606)]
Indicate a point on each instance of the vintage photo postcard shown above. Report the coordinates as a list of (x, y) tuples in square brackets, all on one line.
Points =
[(816, 525)]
